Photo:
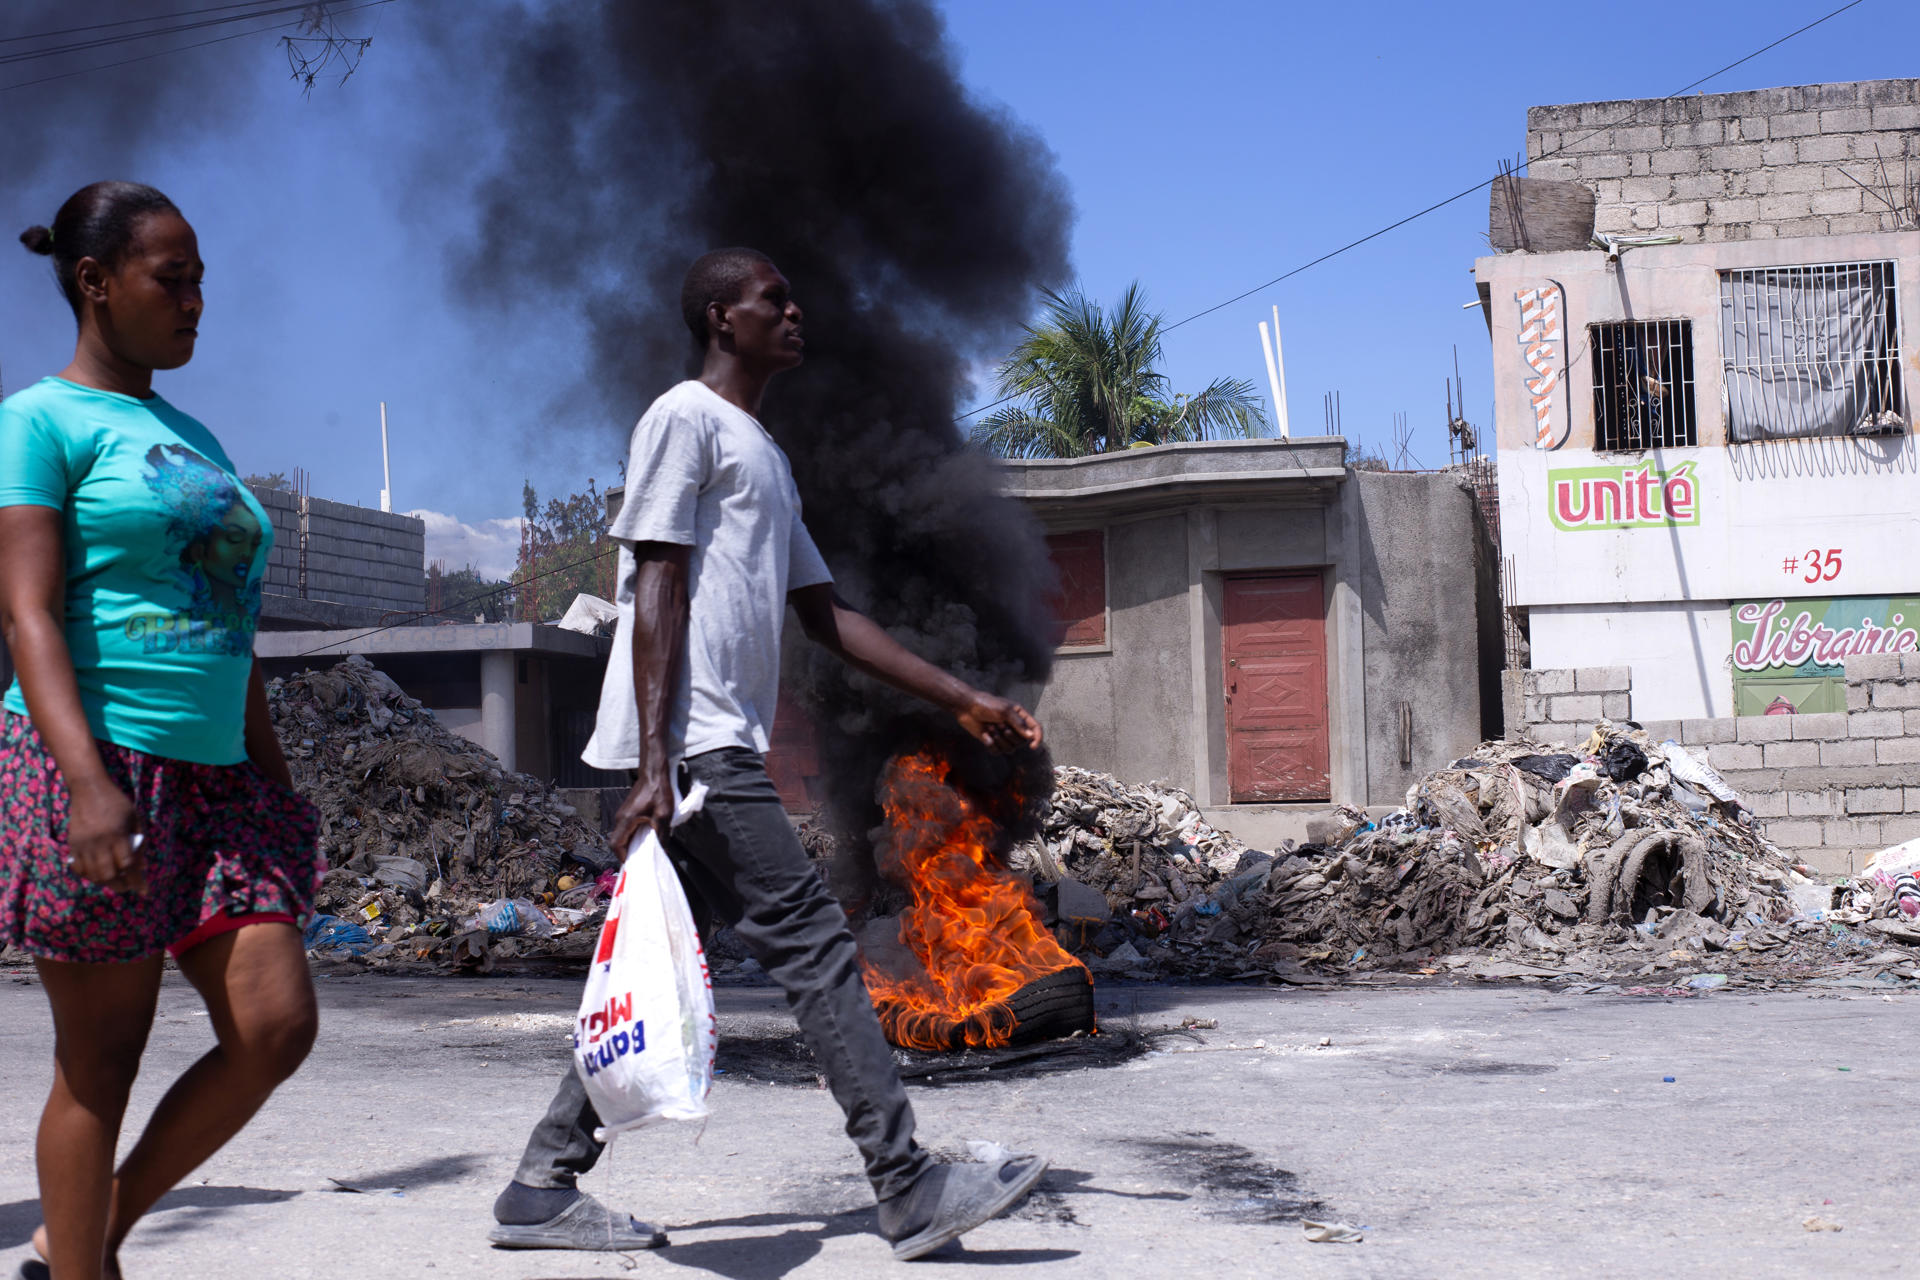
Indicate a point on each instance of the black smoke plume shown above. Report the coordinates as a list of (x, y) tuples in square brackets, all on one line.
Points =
[(916, 224)]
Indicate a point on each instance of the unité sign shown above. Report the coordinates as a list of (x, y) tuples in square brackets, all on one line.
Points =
[(1636, 496)]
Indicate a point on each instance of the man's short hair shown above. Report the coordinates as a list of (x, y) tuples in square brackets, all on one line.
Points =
[(720, 276)]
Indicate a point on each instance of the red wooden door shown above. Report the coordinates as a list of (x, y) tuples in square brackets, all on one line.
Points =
[(1276, 684)]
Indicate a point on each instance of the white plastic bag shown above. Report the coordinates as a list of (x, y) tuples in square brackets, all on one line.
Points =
[(644, 1040)]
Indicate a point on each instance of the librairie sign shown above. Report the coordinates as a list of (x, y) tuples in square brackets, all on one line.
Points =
[(1789, 655), (1633, 496)]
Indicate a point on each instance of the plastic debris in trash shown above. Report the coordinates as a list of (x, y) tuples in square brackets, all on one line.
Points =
[(1699, 775), (1623, 760), (331, 933), (1551, 767), (1666, 1079), (1707, 981), (512, 917), (1332, 1232)]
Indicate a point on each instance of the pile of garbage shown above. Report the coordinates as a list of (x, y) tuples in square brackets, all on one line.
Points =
[(436, 851), (1623, 860)]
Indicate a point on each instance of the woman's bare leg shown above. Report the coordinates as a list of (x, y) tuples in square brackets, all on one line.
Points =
[(260, 998), (101, 1016)]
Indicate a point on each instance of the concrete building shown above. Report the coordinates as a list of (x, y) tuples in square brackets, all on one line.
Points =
[(1706, 463), (523, 690), (338, 565), (1262, 625)]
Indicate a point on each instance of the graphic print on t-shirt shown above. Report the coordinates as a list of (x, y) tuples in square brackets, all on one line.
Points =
[(216, 538)]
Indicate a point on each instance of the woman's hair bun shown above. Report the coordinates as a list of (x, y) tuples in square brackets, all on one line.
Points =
[(38, 240)]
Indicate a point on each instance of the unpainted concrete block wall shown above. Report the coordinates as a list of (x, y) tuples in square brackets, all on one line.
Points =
[(1419, 583), (1831, 789), (1738, 166), (355, 555)]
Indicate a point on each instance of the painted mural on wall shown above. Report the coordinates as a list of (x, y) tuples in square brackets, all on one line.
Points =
[(1634, 496), (1543, 346), (1789, 656)]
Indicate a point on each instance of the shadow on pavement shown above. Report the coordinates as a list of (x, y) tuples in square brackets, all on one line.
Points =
[(424, 1174), (770, 1257), (19, 1218)]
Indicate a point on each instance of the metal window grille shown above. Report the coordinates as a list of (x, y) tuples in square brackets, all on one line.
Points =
[(1811, 351), (1643, 384)]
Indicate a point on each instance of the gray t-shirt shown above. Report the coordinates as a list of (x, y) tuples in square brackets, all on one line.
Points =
[(703, 473)]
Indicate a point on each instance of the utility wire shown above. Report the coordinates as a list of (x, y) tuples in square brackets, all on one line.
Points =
[(130, 22), (469, 602), (1478, 186), (255, 10), (200, 44)]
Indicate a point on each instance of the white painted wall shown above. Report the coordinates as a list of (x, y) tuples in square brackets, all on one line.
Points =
[(1760, 507), (1678, 652), (1657, 597)]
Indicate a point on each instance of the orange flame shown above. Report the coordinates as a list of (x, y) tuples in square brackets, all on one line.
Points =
[(973, 926)]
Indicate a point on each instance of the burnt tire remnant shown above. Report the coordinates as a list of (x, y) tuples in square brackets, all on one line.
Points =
[(1053, 1005)]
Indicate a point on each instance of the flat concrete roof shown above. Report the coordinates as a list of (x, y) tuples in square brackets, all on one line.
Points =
[(466, 637), (1301, 471), (289, 613)]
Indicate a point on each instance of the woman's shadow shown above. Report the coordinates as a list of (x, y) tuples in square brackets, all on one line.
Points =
[(19, 1217)]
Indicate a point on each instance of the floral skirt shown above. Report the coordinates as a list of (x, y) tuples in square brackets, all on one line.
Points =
[(219, 840)]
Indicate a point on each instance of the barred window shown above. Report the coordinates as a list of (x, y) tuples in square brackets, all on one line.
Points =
[(1643, 384), (1811, 351)]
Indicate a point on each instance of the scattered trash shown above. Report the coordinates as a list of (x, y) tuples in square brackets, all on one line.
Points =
[(1332, 1232), (424, 830), (1817, 1223), (1666, 1079), (1625, 859)]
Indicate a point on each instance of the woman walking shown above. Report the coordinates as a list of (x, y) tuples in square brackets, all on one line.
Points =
[(145, 806)]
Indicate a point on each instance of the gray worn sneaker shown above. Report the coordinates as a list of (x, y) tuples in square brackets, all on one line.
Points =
[(950, 1200), (586, 1224)]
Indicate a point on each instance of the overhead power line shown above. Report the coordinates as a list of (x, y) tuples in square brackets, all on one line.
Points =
[(181, 48), (134, 22), (1478, 186), (254, 10)]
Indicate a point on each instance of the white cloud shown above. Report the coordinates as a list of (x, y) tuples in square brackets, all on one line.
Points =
[(492, 547)]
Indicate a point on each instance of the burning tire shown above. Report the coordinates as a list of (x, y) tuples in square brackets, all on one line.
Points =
[(1057, 1004)]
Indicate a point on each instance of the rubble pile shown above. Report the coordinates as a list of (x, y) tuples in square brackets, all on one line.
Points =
[(435, 850), (1125, 867), (1623, 860)]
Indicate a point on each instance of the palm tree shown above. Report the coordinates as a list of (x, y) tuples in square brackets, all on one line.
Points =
[(1086, 382)]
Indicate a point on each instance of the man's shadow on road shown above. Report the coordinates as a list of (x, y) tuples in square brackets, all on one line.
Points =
[(771, 1257)]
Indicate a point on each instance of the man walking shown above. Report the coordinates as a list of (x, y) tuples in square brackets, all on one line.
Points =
[(712, 552)]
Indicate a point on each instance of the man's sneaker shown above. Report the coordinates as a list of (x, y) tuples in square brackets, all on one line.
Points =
[(585, 1224), (949, 1200)]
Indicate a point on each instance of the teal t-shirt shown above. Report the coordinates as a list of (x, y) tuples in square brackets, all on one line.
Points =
[(166, 549)]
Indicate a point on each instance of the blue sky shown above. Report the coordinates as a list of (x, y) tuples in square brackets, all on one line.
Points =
[(1208, 147)]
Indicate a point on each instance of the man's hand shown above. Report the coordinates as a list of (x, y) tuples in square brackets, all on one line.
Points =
[(840, 628), (101, 822), (648, 804), (1001, 724)]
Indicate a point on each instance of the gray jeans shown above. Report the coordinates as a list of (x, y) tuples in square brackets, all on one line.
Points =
[(742, 863)]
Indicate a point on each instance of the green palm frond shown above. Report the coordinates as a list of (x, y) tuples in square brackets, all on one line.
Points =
[(1088, 382)]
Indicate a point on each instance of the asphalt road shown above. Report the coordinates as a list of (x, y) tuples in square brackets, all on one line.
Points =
[(1472, 1131)]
